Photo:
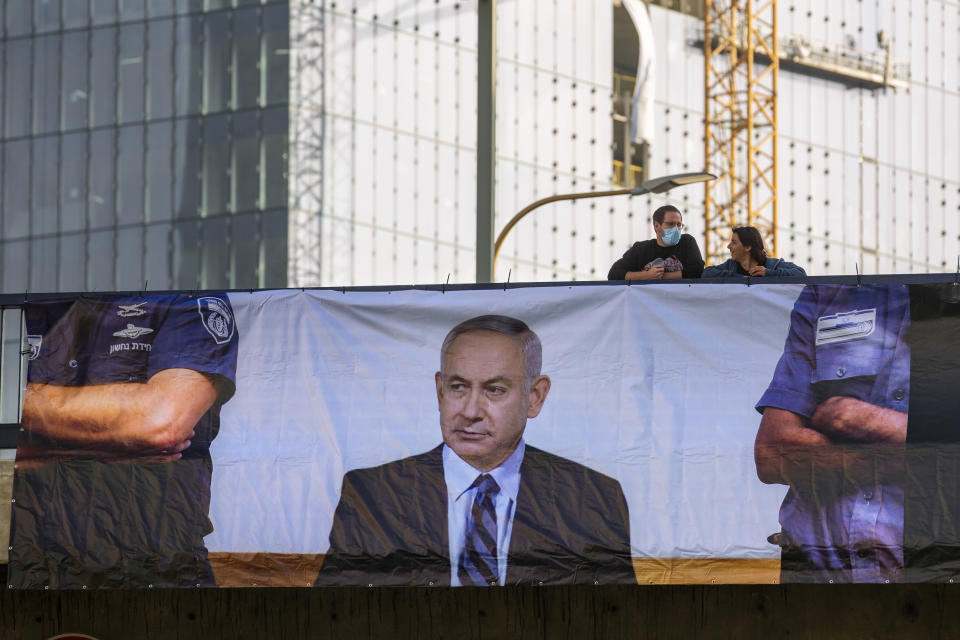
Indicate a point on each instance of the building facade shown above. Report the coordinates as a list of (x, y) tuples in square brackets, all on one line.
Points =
[(251, 143), (143, 144)]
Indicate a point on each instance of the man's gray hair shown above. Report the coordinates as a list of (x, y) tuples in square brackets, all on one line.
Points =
[(507, 326)]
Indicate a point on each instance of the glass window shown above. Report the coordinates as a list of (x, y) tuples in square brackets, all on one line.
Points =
[(101, 203), (75, 14), (246, 58), (276, 40), (16, 97), (188, 160), (189, 65), (156, 261), (214, 252), (129, 257), (161, 8), (103, 11), (43, 216), (73, 181), (274, 166), (103, 79), (274, 233), (244, 251), (213, 5), (130, 73), (72, 260), (100, 256), (16, 265), (159, 200), (189, 6), (186, 255), (130, 175), (216, 165), (132, 10), (216, 62), (46, 84), (246, 161), (18, 17), (16, 198), (73, 97), (43, 264), (159, 69), (46, 15)]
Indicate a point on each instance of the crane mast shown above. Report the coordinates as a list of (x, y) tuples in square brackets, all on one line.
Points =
[(740, 121)]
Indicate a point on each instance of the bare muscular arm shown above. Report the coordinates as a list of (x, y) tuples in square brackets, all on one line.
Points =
[(149, 418), (844, 436)]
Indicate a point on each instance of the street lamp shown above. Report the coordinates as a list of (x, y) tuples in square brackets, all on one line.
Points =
[(656, 185)]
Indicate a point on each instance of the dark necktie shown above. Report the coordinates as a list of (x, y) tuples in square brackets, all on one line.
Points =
[(478, 563)]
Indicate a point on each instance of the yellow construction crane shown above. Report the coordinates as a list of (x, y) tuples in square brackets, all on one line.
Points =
[(740, 120)]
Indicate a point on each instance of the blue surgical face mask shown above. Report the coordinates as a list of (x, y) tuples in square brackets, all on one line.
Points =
[(671, 236)]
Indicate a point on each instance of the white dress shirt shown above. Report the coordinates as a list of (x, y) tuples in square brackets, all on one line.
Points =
[(459, 476)]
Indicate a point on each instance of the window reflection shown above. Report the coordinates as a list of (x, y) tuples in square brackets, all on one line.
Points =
[(188, 158), (74, 92), (216, 62), (72, 246), (129, 258), (101, 203), (246, 58), (216, 165), (103, 79), (215, 256), (160, 92), (16, 100), (130, 73), (246, 159), (16, 199), (159, 176), (188, 72), (130, 174), (43, 216), (100, 256), (73, 182)]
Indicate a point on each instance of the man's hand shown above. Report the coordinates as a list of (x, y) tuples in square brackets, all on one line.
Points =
[(650, 273), (848, 419), (151, 419), (757, 271)]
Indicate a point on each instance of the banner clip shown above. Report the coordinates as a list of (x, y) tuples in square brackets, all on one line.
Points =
[(857, 267)]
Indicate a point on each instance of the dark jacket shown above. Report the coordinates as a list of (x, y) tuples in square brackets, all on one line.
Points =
[(686, 252), (390, 528), (776, 268)]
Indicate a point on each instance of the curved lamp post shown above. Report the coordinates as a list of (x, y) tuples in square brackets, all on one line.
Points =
[(656, 185)]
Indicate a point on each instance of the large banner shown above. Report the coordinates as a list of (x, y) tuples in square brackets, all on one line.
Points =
[(599, 434)]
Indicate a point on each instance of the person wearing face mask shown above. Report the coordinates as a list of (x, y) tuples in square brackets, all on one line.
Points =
[(749, 258), (671, 254)]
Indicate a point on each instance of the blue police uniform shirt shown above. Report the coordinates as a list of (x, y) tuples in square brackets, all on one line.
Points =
[(82, 519), (845, 341)]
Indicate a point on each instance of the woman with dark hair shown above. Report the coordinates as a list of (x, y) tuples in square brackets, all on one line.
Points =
[(748, 258)]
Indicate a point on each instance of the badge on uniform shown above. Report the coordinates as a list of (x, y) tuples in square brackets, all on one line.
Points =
[(34, 342), (217, 319), (132, 310), (850, 325)]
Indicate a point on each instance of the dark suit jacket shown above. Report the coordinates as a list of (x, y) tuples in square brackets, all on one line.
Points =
[(390, 528)]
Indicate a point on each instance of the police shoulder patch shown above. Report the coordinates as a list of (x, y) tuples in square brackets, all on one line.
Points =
[(217, 319)]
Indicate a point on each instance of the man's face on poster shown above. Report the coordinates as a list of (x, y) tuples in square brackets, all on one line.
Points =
[(484, 397)]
